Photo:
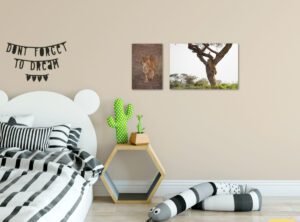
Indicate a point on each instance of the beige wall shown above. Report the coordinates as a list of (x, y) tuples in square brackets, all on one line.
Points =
[(252, 133)]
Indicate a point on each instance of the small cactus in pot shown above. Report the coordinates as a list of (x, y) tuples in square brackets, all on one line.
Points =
[(139, 137), (140, 128)]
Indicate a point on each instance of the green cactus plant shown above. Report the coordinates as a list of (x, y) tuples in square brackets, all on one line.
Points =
[(140, 128), (120, 120)]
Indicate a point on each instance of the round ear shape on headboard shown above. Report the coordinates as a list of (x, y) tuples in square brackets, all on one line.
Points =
[(88, 100), (3, 98)]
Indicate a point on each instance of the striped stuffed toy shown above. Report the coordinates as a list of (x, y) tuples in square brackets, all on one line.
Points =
[(209, 196)]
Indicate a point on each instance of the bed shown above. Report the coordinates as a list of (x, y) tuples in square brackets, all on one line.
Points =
[(49, 109)]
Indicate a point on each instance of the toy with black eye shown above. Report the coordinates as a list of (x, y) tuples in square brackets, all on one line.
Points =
[(154, 211), (182, 202), (229, 197)]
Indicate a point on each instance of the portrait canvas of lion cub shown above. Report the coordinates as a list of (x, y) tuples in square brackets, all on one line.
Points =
[(146, 66)]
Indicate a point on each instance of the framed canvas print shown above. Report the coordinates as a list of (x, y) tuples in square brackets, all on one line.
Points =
[(204, 66), (147, 66)]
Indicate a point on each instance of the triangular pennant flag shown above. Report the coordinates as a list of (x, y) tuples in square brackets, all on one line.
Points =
[(45, 77), (27, 77), (40, 78), (33, 78)]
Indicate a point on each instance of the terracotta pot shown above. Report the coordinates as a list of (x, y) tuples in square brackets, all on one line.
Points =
[(139, 138)]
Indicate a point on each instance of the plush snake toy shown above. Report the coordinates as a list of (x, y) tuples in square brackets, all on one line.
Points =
[(209, 196)]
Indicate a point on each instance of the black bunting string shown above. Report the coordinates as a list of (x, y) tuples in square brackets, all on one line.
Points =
[(36, 65), (61, 43), (50, 50), (28, 60), (36, 77)]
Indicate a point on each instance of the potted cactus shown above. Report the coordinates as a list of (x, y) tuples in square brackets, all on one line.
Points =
[(139, 137)]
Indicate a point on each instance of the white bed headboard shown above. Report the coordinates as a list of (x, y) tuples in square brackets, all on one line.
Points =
[(50, 108)]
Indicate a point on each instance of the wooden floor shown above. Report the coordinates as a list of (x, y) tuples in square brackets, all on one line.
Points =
[(280, 207)]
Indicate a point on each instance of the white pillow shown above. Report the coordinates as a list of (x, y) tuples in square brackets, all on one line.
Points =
[(26, 120)]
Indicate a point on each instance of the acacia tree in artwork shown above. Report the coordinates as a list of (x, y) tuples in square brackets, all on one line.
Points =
[(210, 55)]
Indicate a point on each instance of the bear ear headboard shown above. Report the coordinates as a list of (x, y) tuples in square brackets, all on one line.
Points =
[(50, 108)]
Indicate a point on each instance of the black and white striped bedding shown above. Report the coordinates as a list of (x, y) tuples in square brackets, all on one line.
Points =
[(44, 186)]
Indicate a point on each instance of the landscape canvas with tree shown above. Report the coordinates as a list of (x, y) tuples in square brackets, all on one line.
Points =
[(204, 66)]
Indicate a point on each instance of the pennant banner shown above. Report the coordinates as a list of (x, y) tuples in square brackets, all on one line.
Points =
[(50, 50), (36, 77), (37, 65)]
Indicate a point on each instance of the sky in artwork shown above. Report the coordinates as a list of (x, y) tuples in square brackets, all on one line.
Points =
[(183, 60)]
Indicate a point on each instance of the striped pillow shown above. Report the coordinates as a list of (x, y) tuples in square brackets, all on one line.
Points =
[(24, 138), (74, 137), (59, 136)]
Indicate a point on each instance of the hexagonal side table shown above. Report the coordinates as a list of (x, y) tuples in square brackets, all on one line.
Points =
[(118, 197)]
